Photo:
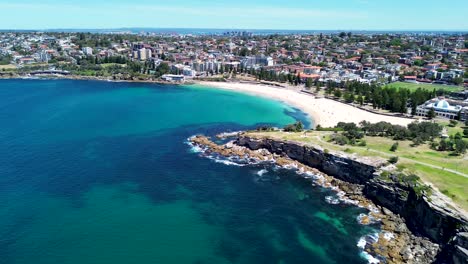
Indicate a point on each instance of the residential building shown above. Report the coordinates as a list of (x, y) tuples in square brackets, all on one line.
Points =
[(87, 51)]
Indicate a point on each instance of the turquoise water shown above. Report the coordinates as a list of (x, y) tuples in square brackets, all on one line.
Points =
[(98, 172)]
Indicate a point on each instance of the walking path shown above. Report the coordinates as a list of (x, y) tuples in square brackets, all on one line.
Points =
[(406, 159)]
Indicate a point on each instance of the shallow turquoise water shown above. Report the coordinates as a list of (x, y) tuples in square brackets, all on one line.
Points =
[(97, 172)]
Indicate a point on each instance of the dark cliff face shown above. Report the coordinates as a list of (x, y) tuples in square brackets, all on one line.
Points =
[(341, 167), (423, 216)]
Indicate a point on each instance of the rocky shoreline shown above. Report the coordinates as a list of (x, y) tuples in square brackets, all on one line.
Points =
[(399, 241), (114, 78)]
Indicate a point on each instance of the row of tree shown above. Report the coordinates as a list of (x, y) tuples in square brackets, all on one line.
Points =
[(419, 132), (381, 97)]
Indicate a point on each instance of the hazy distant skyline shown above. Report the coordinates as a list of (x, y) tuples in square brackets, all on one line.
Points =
[(240, 14)]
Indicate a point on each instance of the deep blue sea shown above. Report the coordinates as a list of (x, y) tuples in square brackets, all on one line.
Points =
[(100, 172)]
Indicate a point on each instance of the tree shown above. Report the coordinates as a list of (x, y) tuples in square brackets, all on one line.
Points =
[(465, 132), (460, 146), (417, 141), (244, 52), (162, 69), (457, 81), (349, 97), (308, 83), (360, 100), (445, 145), (431, 114), (337, 93)]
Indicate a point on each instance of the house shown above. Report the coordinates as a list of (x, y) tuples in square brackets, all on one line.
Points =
[(305, 76), (410, 78), (432, 66)]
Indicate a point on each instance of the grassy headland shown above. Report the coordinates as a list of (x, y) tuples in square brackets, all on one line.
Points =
[(442, 170)]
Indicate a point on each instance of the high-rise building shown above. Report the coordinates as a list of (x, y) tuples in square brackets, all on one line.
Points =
[(144, 54), (87, 50)]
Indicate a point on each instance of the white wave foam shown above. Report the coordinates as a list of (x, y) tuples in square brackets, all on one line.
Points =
[(332, 200), (261, 172), (388, 236), (362, 243), (227, 162), (370, 259), (196, 149), (368, 240)]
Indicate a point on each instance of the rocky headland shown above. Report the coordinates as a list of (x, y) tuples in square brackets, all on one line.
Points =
[(416, 226)]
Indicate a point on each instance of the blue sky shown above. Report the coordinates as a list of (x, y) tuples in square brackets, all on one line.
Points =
[(246, 14)]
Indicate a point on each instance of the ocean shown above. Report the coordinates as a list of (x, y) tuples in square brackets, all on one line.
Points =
[(101, 172)]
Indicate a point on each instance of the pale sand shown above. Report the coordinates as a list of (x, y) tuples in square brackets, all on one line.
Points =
[(323, 112)]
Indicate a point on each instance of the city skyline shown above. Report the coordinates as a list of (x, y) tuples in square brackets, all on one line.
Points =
[(301, 15)]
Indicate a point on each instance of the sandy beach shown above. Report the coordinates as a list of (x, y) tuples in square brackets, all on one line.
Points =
[(323, 112)]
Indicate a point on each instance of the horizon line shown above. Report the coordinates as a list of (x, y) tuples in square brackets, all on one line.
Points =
[(230, 29)]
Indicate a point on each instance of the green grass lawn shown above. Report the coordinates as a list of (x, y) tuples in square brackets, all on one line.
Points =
[(107, 65), (452, 130), (451, 184), (414, 86), (7, 67)]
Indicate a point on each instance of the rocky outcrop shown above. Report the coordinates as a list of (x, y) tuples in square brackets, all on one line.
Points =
[(343, 167), (457, 252), (424, 215)]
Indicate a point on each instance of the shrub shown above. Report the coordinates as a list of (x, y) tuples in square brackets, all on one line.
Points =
[(393, 160), (421, 189), (453, 123), (265, 128), (362, 143), (417, 141), (296, 127), (394, 147), (448, 193), (385, 175), (340, 140)]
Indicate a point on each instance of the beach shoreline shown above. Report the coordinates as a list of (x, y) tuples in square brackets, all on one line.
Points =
[(322, 111)]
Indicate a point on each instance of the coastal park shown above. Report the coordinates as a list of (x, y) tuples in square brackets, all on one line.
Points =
[(440, 169)]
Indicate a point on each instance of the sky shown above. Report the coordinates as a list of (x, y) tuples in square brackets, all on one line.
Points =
[(237, 14)]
